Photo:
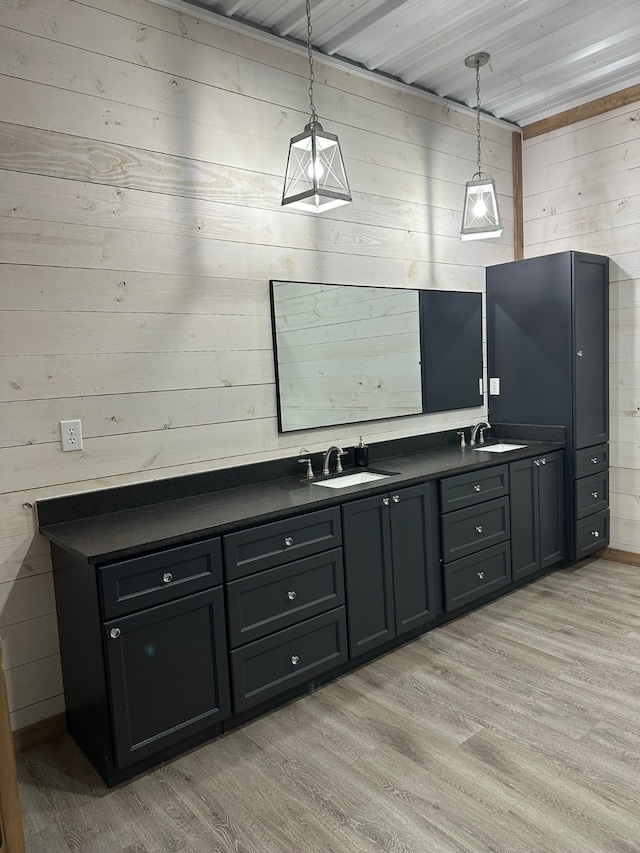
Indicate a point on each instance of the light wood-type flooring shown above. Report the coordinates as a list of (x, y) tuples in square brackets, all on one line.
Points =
[(515, 729)]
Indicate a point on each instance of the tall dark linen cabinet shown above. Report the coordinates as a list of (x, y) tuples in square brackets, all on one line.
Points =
[(548, 345)]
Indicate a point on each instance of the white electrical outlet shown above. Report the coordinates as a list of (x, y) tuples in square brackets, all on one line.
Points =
[(494, 386), (71, 435)]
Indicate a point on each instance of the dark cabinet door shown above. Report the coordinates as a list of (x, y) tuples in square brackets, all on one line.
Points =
[(391, 550), (168, 674), (368, 576), (551, 510), (537, 514), (591, 344), (414, 549)]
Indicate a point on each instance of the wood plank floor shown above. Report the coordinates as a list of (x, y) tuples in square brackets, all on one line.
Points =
[(515, 729)]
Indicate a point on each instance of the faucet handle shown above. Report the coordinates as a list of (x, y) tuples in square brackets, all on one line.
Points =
[(463, 441), (309, 474), (481, 431), (339, 455)]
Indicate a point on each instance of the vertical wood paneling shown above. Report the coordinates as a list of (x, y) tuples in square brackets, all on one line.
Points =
[(581, 191), (141, 165)]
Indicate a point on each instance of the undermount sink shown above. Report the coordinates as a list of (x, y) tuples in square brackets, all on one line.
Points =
[(499, 448), (343, 481)]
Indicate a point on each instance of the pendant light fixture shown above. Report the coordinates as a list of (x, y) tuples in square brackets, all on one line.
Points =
[(480, 215), (316, 179)]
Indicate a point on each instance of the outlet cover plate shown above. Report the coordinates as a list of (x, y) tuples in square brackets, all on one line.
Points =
[(71, 435)]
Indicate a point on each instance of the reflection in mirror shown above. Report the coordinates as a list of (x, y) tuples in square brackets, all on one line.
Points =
[(345, 354)]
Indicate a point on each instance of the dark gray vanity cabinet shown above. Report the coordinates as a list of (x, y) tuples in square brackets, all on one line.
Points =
[(537, 514), (391, 557), (548, 348), (475, 535), (144, 654), (285, 602)]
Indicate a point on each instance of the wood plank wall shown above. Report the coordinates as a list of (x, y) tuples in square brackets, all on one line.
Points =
[(142, 154), (582, 191)]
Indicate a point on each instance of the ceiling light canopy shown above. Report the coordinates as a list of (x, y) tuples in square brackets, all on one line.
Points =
[(316, 179), (480, 214)]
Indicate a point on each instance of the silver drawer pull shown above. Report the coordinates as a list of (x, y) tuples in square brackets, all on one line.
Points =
[(478, 528), (288, 541), (395, 498), (477, 487), (167, 577), (595, 534), (291, 594), (385, 501), (543, 461), (594, 459), (579, 353), (594, 494), (481, 576), (295, 660), (114, 633)]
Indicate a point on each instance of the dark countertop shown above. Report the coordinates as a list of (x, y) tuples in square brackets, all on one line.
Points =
[(124, 533)]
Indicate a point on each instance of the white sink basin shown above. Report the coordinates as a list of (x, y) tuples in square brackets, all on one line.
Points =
[(343, 481), (499, 448)]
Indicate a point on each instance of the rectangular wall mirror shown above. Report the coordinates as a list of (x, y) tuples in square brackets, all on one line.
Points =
[(351, 353)]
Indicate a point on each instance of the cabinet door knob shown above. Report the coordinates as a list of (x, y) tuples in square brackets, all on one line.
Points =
[(114, 633), (295, 660), (395, 498), (543, 461), (385, 501), (594, 494), (481, 576), (167, 577), (594, 459), (595, 534), (536, 462), (288, 541), (478, 528), (477, 487), (579, 353), (291, 594)]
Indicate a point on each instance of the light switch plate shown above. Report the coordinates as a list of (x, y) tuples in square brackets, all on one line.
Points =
[(494, 386)]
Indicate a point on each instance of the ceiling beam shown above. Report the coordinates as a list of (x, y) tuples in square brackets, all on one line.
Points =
[(593, 108)]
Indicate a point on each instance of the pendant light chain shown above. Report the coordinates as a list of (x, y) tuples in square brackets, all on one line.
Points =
[(313, 119), (478, 115)]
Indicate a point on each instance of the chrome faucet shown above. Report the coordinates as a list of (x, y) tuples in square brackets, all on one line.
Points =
[(478, 428), (327, 457)]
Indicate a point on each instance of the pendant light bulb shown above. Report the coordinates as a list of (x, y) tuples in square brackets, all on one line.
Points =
[(480, 214), (316, 179)]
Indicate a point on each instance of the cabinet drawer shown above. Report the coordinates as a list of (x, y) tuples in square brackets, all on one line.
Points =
[(267, 667), (592, 533), (474, 488), (276, 598), (134, 584), (591, 494), (269, 545), (590, 460), (473, 577), (469, 530)]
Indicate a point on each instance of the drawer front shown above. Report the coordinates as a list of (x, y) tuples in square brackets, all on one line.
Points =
[(271, 600), (592, 533), (268, 667), (469, 530), (591, 494), (156, 578), (279, 542), (474, 488), (591, 460), (473, 577)]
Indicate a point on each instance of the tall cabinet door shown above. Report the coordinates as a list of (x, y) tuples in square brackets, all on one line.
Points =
[(168, 674), (414, 546), (591, 344), (551, 509), (525, 542), (368, 573)]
